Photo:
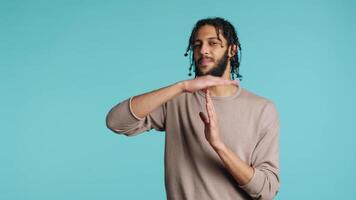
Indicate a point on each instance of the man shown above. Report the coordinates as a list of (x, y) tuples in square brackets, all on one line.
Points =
[(222, 141)]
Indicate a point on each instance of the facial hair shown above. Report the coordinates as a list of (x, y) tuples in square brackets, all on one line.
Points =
[(217, 70)]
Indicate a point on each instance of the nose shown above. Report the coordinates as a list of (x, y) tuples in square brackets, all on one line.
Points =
[(204, 49)]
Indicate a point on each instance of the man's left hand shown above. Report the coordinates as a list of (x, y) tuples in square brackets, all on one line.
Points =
[(211, 130)]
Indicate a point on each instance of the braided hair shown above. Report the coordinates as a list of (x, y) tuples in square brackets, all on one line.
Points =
[(228, 31)]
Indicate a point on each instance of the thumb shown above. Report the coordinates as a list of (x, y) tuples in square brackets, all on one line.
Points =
[(203, 118), (236, 82)]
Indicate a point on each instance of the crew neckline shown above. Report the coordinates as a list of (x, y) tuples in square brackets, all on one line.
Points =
[(222, 98)]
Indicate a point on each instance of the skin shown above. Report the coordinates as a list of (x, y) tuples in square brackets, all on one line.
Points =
[(208, 49)]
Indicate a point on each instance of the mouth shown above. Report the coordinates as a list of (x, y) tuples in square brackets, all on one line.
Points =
[(204, 61)]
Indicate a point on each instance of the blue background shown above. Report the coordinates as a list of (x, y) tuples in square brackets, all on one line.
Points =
[(64, 64)]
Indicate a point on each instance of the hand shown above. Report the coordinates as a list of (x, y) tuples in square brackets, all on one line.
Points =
[(211, 129), (203, 82)]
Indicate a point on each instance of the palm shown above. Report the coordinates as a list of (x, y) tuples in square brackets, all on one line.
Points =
[(211, 128), (203, 82)]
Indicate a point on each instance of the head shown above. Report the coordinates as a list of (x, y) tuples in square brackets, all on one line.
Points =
[(213, 48)]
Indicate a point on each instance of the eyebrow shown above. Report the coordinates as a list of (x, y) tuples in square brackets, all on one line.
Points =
[(208, 39)]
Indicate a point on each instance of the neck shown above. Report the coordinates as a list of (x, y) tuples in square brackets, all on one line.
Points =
[(223, 90)]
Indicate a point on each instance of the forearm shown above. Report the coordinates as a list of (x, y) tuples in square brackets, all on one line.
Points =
[(241, 171), (143, 104)]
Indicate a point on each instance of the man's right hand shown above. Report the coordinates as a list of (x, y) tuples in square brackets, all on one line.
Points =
[(203, 82)]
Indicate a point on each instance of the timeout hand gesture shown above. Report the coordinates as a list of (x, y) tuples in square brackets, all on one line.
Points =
[(211, 130)]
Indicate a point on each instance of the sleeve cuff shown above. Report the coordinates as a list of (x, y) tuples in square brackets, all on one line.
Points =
[(256, 183), (132, 113)]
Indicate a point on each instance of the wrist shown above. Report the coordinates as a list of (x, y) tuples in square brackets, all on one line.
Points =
[(218, 146), (182, 86)]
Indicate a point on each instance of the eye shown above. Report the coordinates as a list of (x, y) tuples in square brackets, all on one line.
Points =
[(214, 43), (196, 45)]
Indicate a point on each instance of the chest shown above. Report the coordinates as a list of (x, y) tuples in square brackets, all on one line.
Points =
[(238, 128)]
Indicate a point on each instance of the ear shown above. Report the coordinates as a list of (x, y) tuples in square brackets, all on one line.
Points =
[(232, 50)]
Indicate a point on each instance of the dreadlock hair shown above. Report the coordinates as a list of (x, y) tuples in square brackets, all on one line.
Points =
[(228, 31)]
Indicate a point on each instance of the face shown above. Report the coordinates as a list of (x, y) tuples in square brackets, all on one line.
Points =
[(211, 55), (217, 69)]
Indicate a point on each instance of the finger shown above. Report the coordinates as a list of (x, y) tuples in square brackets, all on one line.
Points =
[(209, 105), (210, 108), (212, 122), (230, 82), (237, 81), (207, 94), (221, 81), (206, 99), (203, 118)]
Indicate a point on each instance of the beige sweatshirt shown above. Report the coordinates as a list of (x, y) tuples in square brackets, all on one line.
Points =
[(249, 126)]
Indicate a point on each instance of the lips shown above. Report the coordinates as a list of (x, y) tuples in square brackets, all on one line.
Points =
[(205, 61)]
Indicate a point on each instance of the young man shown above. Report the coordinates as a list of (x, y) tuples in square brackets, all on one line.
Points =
[(222, 141)]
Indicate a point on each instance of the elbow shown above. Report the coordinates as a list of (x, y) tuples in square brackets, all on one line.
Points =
[(263, 186), (115, 129), (266, 195), (119, 120), (110, 124), (269, 196), (118, 128), (271, 191)]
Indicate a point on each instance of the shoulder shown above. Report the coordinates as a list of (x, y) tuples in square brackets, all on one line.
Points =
[(263, 108), (265, 112), (254, 99)]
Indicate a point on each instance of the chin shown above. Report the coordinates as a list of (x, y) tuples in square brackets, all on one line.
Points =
[(206, 67), (203, 73)]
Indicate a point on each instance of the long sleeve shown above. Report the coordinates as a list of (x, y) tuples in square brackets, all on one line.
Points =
[(122, 120), (265, 158)]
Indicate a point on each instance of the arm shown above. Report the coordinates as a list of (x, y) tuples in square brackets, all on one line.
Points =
[(265, 182), (241, 172), (261, 180), (119, 118), (247, 176), (143, 112), (144, 104)]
